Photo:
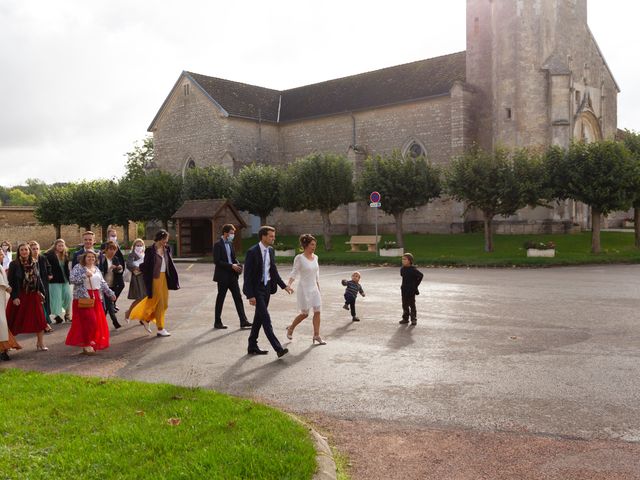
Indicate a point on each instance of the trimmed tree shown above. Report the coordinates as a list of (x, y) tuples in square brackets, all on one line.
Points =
[(602, 175), (320, 182), (156, 196), (256, 190), (403, 183), (50, 208), (497, 183), (208, 182), (632, 141)]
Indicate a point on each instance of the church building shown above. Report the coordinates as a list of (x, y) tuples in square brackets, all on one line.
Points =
[(532, 75)]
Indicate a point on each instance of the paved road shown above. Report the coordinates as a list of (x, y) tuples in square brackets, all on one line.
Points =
[(536, 351)]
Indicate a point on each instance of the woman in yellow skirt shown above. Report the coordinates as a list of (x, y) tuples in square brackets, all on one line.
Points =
[(160, 276)]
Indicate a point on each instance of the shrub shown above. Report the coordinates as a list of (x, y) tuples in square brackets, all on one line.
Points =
[(539, 245)]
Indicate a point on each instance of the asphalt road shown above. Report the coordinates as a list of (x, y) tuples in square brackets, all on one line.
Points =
[(510, 373)]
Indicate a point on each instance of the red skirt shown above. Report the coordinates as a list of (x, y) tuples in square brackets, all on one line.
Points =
[(28, 317), (89, 326)]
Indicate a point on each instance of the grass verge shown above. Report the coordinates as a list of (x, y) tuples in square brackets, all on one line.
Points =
[(467, 250), (64, 426)]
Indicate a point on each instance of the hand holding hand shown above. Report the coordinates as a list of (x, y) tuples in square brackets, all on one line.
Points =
[(289, 290)]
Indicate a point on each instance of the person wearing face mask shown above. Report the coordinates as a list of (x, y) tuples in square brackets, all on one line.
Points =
[(226, 274), (6, 249), (112, 236), (136, 287)]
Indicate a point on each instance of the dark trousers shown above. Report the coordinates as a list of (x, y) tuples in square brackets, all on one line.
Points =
[(232, 286), (110, 309), (351, 301), (262, 319), (408, 305)]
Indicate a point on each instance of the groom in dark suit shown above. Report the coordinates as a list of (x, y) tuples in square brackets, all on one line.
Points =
[(261, 279), (226, 274)]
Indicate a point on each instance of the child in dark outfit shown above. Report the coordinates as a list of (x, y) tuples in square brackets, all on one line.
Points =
[(351, 293), (411, 278)]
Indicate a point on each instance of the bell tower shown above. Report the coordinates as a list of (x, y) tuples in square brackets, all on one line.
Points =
[(521, 62)]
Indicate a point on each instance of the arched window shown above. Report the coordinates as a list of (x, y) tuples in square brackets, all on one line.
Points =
[(188, 164), (414, 149), (229, 162)]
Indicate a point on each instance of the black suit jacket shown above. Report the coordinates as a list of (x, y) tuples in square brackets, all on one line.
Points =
[(253, 272), (59, 274), (223, 272)]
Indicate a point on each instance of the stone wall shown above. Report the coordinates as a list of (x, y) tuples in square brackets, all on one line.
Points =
[(18, 224)]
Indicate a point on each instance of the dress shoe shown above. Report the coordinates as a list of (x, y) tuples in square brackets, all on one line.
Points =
[(283, 352), (219, 326), (4, 356), (404, 321), (246, 325), (58, 319), (67, 318), (116, 324), (346, 306), (355, 319), (256, 351), (414, 322), (163, 333)]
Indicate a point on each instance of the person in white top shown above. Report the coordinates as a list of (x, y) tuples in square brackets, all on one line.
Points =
[(6, 249), (306, 268), (7, 340)]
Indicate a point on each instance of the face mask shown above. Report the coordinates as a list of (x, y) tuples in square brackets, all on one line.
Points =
[(231, 237), (113, 239), (139, 250)]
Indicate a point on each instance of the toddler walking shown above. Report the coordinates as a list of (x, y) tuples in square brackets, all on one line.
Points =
[(411, 278), (351, 293)]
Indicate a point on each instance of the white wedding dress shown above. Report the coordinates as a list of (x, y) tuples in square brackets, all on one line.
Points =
[(307, 273)]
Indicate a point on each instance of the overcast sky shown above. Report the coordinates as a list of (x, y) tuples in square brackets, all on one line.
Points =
[(82, 80)]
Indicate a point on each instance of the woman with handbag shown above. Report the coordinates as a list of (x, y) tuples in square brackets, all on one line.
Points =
[(89, 328), (25, 313), (160, 276)]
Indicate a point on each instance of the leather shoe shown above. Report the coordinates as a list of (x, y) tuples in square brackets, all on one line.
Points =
[(257, 351), (283, 352), (219, 326), (246, 325)]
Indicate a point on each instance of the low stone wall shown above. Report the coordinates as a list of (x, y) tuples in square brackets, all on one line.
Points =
[(18, 224)]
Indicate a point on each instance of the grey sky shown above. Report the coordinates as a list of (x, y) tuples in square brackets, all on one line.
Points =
[(82, 80)]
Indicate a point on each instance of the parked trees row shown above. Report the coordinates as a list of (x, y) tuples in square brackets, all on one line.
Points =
[(604, 175)]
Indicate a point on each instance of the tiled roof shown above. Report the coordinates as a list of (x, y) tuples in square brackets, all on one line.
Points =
[(388, 86), (210, 208)]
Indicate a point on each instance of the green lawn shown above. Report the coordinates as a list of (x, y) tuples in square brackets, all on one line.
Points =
[(63, 426), (467, 249)]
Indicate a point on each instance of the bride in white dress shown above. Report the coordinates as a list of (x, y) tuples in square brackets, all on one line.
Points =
[(307, 270)]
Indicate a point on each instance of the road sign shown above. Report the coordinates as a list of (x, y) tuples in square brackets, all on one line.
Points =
[(375, 204), (375, 197)]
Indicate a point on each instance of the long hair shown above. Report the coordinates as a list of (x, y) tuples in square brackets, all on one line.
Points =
[(65, 251)]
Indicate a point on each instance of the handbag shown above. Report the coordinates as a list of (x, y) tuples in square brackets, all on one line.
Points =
[(86, 302)]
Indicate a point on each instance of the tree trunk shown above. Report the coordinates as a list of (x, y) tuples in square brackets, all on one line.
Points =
[(125, 238), (103, 232), (87, 227), (488, 233), (263, 220), (58, 228), (595, 230), (326, 230), (636, 224), (399, 228), (165, 225)]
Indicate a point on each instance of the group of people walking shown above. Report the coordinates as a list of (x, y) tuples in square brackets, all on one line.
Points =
[(39, 286)]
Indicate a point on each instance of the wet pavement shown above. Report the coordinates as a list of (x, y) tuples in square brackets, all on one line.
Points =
[(549, 352)]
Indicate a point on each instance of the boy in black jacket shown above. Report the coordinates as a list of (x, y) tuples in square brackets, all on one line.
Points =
[(411, 278)]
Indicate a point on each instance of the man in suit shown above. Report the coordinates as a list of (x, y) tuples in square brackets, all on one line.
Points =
[(261, 280), (88, 240), (226, 274)]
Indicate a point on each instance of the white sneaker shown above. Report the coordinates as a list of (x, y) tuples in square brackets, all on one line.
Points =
[(163, 333)]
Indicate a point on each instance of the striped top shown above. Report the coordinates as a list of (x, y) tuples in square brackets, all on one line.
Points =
[(353, 288)]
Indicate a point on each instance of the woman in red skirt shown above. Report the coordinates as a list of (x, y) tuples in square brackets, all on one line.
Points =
[(25, 313), (89, 328)]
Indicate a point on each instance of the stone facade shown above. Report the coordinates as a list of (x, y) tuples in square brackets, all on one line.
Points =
[(534, 76)]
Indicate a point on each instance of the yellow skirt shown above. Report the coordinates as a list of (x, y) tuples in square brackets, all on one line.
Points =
[(153, 309)]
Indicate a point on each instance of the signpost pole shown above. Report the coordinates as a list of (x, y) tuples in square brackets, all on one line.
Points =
[(375, 203)]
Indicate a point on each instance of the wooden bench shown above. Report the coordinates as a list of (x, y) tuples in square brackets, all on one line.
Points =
[(371, 241)]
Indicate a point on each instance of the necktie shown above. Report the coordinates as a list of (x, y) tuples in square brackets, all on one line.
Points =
[(265, 272)]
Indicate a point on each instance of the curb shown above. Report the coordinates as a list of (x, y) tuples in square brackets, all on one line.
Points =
[(324, 458)]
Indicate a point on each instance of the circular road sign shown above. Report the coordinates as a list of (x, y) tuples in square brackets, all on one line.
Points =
[(374, 197)]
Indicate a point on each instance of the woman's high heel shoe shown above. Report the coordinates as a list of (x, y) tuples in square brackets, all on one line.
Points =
[(41, 348), (319, 340), (289, 333)]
